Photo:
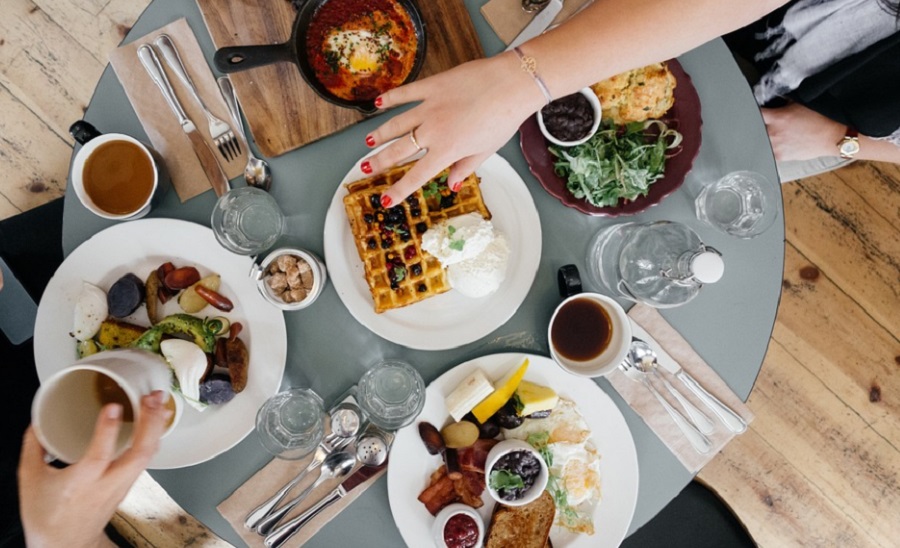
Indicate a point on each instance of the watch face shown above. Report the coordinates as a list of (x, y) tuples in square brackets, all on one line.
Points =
[(849, 147)]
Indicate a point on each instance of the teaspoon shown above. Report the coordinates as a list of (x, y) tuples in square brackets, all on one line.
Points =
[(641, 353), (729, 418)]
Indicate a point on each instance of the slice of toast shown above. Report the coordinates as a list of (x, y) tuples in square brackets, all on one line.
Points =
[(525, 526)]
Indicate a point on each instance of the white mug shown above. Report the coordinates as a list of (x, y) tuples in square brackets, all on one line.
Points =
[(91, 141), (612, 354), (66, 406)]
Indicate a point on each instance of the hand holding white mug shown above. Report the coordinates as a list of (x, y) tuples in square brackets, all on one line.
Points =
[(71, 506)]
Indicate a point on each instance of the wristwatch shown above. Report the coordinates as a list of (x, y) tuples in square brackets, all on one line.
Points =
[(849, 145)]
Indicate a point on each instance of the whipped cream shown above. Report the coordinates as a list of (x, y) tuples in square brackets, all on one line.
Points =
[(458, 239), (474, 254), (482, 274)]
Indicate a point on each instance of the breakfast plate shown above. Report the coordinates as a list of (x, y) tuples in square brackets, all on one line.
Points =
[(139, 247), (410, 465), (684, 116), (450, 319)]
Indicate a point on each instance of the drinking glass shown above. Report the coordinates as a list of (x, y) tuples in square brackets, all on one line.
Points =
[(392, 393), (291, 423), (737, 204), (247, 220)]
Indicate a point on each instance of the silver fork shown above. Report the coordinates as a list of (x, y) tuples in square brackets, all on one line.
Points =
[(221, 132), (331, 443)]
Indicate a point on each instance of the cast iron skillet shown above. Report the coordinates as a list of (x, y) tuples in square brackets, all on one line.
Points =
[(238, 58)]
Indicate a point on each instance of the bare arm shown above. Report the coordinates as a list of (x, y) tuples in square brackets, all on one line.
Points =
[(798, 133), (470, 111)]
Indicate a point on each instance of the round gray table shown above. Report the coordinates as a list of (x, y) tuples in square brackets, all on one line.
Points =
[(729, 323)]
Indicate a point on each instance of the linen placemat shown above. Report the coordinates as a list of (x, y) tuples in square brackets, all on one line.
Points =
[(161, 124), (649, 325), (507, 17)]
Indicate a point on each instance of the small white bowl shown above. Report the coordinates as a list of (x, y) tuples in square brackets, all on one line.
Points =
[(320, 276), (440, 521), (510, 446), (595, 104)]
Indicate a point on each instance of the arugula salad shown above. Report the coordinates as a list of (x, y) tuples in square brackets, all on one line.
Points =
[(618, 162)]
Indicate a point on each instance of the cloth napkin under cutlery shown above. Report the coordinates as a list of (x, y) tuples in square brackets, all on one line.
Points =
[(649, 325), (166, 135), (507, 17)]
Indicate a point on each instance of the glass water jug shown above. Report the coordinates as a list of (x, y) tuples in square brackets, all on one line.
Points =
[(662, 264)]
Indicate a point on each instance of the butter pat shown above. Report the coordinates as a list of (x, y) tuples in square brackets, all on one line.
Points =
[(535, 397), (464, 397)]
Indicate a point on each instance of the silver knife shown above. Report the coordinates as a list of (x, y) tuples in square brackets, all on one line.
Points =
[(728, 417), (211, 167), (538, 24), (281, 535)]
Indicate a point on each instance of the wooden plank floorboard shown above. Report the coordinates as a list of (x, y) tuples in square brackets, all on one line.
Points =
[(819, 466)]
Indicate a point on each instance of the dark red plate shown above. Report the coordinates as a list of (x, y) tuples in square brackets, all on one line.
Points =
[(683, 116)]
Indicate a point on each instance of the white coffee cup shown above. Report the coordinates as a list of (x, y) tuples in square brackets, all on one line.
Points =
[(581, 346), (66, 406), (89, 148)]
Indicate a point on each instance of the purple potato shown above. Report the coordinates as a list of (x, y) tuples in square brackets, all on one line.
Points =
[(217, 390)]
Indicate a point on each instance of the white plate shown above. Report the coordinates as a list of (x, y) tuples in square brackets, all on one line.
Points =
[(450, 319), (410, 465), (139, 247)]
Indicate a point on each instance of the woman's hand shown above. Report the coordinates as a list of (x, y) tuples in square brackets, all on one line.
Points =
[(71, 506), (466, 114), (798, 133)]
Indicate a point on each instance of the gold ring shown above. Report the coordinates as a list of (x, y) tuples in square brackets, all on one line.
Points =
[(412, 137)]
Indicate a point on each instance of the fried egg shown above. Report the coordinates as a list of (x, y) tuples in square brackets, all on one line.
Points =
[(576, 461), (359, 51)]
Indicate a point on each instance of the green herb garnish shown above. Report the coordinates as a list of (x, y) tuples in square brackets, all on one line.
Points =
[(431, 190), (567, 514), (399, 273), (616, 163), (456, 245), (504, 479)]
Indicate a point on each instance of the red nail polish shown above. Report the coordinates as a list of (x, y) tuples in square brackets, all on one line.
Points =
[(366, 167), (386, 201), (378, 102), (457, 186), (370, 140)]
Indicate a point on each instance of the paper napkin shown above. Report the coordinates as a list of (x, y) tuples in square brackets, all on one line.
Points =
[(650, 326), (270, 479), (507, 17), (160, 123)]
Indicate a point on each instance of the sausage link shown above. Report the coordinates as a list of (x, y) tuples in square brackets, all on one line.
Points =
[(214, 298)]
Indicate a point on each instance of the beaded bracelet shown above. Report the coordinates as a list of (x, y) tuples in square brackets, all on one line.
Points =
[(529, 65)]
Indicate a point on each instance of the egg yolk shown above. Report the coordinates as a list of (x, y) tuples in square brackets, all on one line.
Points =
[(359, 51)]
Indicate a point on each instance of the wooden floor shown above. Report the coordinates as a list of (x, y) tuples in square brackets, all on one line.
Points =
[(821, 463)]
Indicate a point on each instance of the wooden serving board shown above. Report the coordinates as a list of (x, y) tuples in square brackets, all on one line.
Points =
[(282, 111)]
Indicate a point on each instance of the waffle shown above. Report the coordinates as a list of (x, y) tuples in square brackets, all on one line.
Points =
[(389, 242)]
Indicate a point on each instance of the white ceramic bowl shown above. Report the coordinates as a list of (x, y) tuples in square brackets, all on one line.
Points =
[(320, 276), (440, 521), (595, 104), (510, 446)]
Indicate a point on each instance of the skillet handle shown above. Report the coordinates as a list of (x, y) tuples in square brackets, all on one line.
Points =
[(238, 58)]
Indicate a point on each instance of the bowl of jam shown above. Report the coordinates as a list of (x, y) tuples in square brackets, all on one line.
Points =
[(458, 526), (571, 120), (516, 473)]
